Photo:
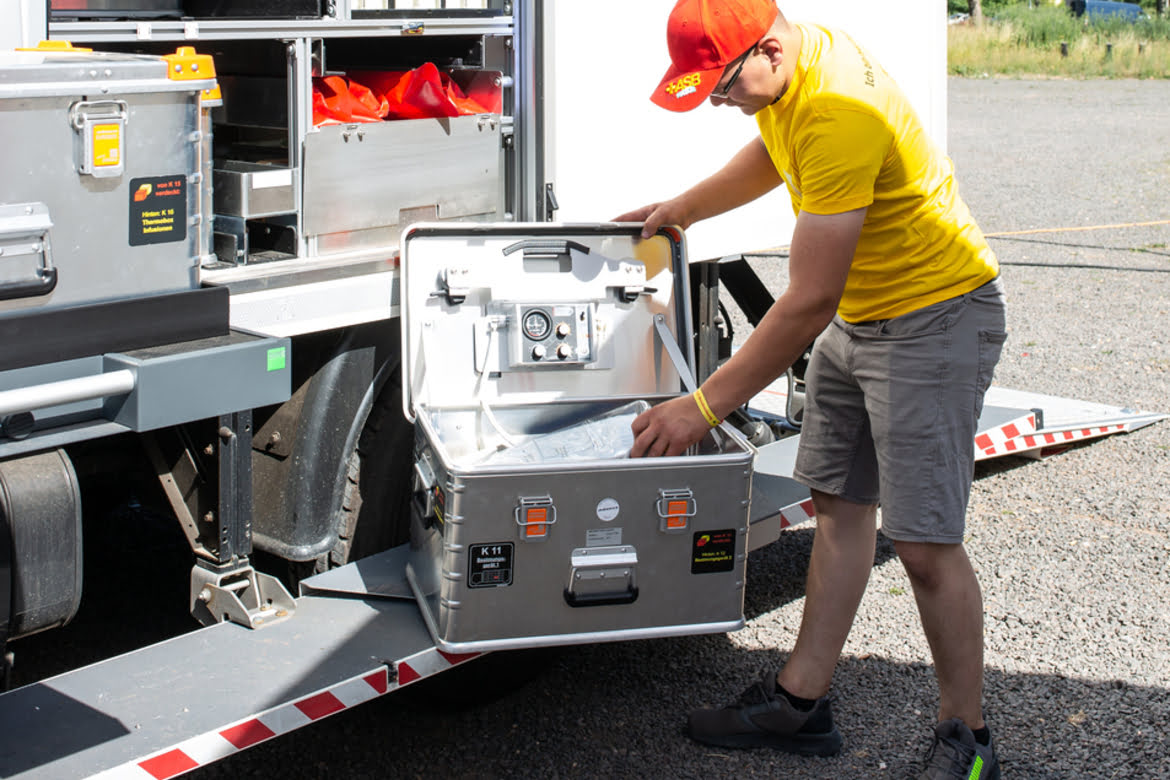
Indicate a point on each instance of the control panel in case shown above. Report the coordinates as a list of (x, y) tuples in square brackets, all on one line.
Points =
[(549, 334)]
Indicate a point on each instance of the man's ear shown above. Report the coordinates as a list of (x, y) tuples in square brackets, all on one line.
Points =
[(773, 48)]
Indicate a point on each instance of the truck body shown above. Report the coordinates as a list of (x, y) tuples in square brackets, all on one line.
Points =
[(200, 309)]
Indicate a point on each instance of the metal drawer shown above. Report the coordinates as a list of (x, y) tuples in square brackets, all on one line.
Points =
[(362, 176), (248, 190)]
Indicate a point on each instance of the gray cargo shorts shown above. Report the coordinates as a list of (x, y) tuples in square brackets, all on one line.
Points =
[(891, 409)]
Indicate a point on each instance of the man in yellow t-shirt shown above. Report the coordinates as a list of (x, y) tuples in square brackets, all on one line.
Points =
[(889, 268)]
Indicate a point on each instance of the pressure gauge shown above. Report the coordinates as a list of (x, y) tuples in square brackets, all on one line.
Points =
[(537, 324)]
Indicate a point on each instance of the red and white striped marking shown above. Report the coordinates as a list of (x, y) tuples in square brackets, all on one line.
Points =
[(1016, 437), (797, 513), (1003, 439), (214, 745), (1029, 443), (1044, 439)]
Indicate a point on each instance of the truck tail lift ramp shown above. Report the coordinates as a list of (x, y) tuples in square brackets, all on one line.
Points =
[(356, 633), (1013, 422), (167, 709)]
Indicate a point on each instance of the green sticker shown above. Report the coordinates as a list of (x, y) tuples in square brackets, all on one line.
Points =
[(276, 359)]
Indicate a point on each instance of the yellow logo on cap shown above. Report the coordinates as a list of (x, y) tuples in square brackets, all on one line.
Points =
[(684, 85)]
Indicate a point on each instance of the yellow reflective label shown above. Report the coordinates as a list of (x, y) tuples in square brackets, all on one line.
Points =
[(107, 145)]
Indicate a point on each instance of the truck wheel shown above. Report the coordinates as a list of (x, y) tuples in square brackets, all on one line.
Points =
[(368, 508), (375, 507)]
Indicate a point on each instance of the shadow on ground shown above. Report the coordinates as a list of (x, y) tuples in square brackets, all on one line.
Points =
[(609, 723)]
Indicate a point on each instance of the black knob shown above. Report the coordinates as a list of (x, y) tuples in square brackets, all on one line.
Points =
[(18, 425)]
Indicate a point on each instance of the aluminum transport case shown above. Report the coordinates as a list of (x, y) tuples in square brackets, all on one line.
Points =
[(527, 351), (99, 161)]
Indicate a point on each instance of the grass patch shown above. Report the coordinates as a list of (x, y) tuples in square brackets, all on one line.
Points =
[(1049, 41)]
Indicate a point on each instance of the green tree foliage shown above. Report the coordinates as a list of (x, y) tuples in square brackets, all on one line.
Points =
[(1044, 39), (1045, 25), (992, 7)]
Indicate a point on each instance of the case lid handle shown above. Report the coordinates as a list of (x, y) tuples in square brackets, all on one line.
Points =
[(545, 248)]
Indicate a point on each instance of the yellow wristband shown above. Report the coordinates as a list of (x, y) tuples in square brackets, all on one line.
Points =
[(704, 409)]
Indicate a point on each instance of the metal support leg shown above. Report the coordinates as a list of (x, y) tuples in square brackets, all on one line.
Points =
[(228, 588), (238, 593), (234, 518)]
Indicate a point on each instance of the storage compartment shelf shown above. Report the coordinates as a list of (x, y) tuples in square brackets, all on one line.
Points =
[(296, 177), (195, 30), (146, 10)]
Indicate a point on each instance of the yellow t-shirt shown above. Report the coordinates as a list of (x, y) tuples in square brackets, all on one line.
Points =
[(844, 137)]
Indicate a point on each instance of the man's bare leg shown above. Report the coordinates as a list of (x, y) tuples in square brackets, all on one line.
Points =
[(842, 557), (951, 607)]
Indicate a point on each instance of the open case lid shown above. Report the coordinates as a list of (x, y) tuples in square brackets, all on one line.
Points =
[(523, 313)]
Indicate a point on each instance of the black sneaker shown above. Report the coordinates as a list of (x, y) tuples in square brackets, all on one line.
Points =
[(764, 718), (956, 754)]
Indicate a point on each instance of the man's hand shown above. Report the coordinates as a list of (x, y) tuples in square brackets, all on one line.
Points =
[(656, 215), (668, 428)]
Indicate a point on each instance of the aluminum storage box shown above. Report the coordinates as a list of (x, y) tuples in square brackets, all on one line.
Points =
[(98, 178), (521, 343)]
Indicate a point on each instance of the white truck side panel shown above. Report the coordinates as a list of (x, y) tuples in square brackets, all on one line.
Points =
[(611, 150), (31, 23)]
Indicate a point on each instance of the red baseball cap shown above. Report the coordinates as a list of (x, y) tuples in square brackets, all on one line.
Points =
[(703, 37)]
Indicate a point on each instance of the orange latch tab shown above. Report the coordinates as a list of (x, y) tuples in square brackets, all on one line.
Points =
[(185, 65), (676, 514), (675, 509), (536, 522), (535, 515)]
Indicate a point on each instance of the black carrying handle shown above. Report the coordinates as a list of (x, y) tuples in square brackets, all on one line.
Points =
[(545, 247), (43, 285), (601, 599)]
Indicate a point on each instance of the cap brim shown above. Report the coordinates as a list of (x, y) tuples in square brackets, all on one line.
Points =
[(683, 91)]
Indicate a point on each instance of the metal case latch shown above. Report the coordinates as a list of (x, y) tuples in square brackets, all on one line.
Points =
[(675, 510), (535, 516), (425, 495), (636, 273), (455, 279), (101, 129)]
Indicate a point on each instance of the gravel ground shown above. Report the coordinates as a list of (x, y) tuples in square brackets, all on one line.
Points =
[(1073, 552)]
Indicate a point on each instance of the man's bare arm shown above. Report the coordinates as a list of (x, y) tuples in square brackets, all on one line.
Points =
[(820, 256), (748, 175)]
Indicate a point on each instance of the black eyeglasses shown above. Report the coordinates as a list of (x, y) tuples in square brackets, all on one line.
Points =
[(743, 58)]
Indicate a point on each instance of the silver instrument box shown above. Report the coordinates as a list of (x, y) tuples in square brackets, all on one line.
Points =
[(527, 351)]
